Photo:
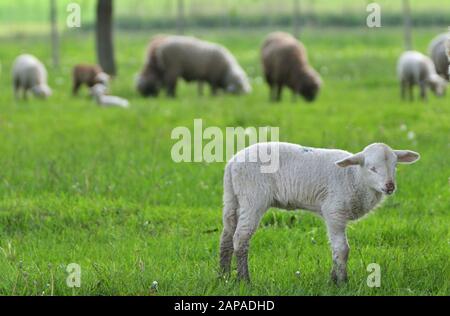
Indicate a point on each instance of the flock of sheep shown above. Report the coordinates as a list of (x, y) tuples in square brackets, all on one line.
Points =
[(337, 185)]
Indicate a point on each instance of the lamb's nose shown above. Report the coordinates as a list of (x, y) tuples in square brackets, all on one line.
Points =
[(390, 187)]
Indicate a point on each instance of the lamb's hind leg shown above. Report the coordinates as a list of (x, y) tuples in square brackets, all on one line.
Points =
[(226, 240), (248, 222), (340, 249)]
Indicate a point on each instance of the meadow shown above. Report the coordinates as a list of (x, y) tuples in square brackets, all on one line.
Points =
[(97, 187)]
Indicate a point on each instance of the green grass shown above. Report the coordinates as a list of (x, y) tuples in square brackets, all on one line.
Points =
[(97, 186)]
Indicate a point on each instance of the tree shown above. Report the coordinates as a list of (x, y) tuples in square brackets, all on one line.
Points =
[(180, 17), (407, 25), (296, 18), (104, 36), (54, 33)]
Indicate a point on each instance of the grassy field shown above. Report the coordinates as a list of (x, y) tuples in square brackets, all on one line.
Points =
[(97, 187)]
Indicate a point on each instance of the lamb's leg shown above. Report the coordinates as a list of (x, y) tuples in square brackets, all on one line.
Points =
[(247, 224), (403, 89), (423, 90), (200, 89), (411, 92), (340, 249), (226, 240)]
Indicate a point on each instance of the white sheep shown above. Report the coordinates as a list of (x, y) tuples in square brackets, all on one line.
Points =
[(335, 184), (414, 68), (99, 90), (436, 50), (30, 74)]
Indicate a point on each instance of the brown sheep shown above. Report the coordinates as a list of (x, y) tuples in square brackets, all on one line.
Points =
[(173, 57), (148, 82), (89, 75), (285, 63)]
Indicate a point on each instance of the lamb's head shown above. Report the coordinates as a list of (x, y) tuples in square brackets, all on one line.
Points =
[(42, 91), (437, 84), (377, 163), (103, 78), (148, 83)]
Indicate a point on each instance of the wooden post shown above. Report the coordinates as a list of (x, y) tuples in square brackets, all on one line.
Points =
[(180, 17), (296, 18)]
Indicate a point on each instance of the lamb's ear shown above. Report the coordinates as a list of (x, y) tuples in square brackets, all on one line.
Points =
[(406, 156), (356, 159)]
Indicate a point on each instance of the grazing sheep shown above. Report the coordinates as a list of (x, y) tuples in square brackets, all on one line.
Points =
[(98, 91), (447, 52), (285, 63), (335, 184), (414, 68), (89, 75), (30, 74), (172, 57), (436, 51)]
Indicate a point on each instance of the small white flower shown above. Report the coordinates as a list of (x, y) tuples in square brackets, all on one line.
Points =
[(411, 135), (403, 127), (297, 274), (154, 285)]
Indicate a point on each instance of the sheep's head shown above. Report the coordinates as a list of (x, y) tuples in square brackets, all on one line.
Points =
[(437, 84), (309, 85), (42, 91), (377, 163), (237, 83), (148, 84)]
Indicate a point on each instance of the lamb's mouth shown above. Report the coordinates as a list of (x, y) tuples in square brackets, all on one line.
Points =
[(388, 192)]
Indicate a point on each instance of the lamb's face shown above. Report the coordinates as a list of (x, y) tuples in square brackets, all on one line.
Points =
[(438, 85), (42, 91), (238, 84), (377, 163)]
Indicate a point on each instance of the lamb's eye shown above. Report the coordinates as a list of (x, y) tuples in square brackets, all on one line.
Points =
[(373, 169)]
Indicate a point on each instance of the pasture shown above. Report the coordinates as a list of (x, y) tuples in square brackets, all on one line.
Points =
[(97, 187)]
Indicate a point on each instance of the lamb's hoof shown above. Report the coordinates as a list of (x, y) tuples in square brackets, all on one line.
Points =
[(338, 280)]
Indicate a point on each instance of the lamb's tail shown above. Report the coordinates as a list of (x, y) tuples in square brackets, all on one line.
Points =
[(230, 201)]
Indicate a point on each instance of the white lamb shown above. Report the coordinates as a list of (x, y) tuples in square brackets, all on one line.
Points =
[(98, 91), (30, 74), (414, 68), (335, 184)]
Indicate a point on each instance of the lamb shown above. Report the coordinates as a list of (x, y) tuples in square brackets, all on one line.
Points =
[(436, 51), (414, 68), (285, 63), (173, 57), (89, 75), (30, 74), (98, 91), (335, 184)]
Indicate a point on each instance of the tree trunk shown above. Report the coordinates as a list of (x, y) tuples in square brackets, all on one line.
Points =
[(180, 17), (407, 25), (296, 18), (54, 33), (104, 35)]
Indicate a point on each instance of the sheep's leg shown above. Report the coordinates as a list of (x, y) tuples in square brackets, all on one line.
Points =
[(279, 91), (340, 250), (226, 240), (76, 87), (200, 88), (247, 224), (16, 89)]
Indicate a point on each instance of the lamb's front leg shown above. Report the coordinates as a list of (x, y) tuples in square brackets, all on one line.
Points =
[(340, 249)]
